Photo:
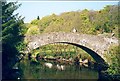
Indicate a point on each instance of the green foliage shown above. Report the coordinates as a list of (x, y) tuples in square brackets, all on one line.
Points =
[(85, 21), (10, 37), (45, 22), (38, 18), (61, 50), (23, 29), (34, 22), (32, 30), (20, 46), (114, 57)]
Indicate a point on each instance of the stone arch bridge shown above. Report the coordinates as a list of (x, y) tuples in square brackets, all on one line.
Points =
[(95, 45)]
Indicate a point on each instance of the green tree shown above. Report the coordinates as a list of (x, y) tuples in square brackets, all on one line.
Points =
[(38, 18), (10, 37), (114, 57)]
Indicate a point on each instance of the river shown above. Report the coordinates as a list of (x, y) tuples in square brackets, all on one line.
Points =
[(38, 70)]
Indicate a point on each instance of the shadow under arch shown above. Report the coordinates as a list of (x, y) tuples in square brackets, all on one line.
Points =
[(95, 56)]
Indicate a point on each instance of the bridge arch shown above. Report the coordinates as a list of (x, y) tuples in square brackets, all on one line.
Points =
[(92, 44), (93, 54)]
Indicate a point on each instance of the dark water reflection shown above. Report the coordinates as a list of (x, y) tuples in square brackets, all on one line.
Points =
[(33, 70)]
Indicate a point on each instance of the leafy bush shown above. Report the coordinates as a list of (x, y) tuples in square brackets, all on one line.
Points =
[(114, 55), (33, 30)]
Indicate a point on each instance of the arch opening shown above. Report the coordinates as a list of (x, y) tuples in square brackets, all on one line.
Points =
[(93, 54)]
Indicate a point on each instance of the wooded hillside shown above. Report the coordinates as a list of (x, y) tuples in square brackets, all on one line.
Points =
[(84, 21)]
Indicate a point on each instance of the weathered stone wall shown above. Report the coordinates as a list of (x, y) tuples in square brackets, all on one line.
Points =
[(98, 44)]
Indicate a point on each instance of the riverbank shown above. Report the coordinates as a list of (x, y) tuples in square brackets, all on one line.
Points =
[(104, 76)]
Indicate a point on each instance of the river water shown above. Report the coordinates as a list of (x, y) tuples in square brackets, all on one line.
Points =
[(38, 70)]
